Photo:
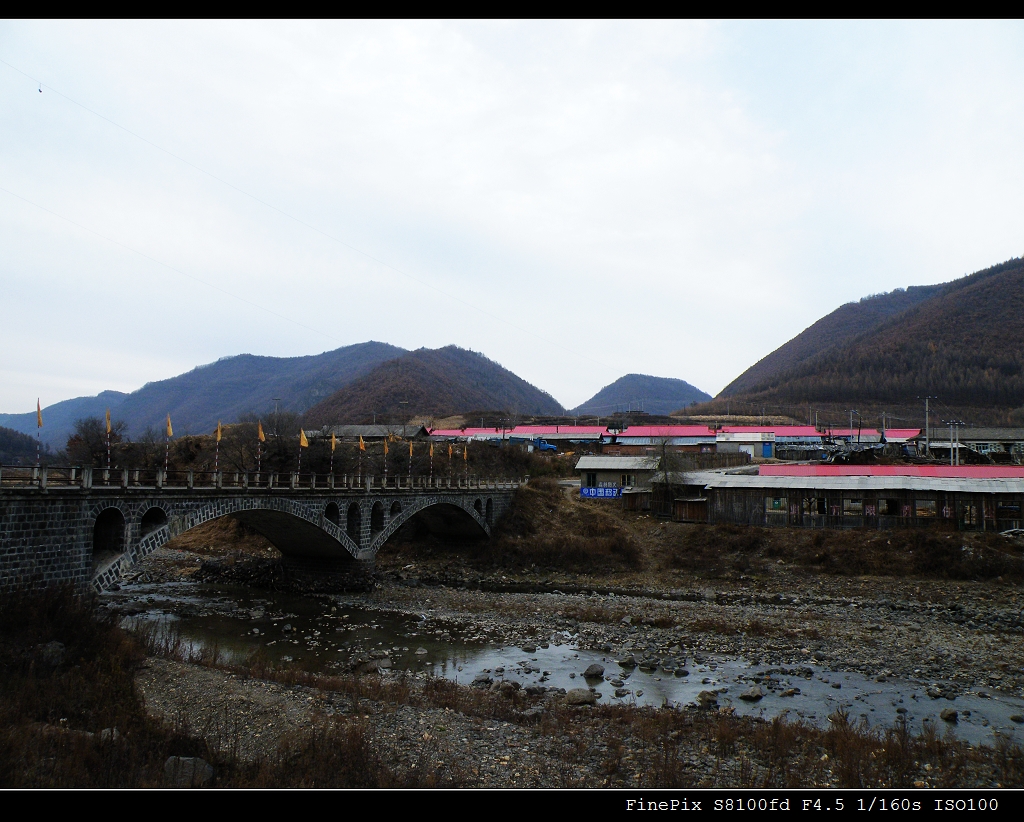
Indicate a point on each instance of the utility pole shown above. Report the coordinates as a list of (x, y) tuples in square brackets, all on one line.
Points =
[(927, 436)]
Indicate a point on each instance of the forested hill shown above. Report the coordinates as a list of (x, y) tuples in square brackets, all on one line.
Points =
[(640, 392), (15, 446), (222, 390), (433, 383), (964, 344), (836, 329)]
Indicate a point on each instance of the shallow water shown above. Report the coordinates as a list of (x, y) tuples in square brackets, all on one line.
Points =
[(323, 634)]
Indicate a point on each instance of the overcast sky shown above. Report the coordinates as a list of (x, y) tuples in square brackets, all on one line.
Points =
[(575, 200)]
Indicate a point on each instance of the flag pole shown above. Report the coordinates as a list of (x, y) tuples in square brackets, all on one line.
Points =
[(410, 463), (260, 437), (39, 428), (303, 443), (216, 451), (108, 439), (167, 444)]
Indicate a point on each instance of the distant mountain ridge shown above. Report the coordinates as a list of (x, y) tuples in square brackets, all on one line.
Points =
[(59, 418), (222, 390), (641, 392), (844, 324), (964, 342), (431, 382)]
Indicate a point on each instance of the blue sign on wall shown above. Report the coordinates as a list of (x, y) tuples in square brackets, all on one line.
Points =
[(602, 493)]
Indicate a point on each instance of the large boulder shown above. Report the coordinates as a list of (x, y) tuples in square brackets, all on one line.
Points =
[(580, 696), (595, 671)]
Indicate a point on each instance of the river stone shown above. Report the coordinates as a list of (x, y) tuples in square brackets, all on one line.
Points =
[(707, 699), (187, 771), (1018, 718), (421, 651), (369, 667), (948, 715), (595, 671), (752, 694), (52, 653), (580, 696), (482, 681), (529, 649), (628, 661), (790, 692), (682, 672)]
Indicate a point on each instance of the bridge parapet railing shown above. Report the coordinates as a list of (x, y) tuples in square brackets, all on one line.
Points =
[(119, 478)]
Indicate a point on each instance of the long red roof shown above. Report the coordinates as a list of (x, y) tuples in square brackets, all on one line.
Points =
[(940, 471)]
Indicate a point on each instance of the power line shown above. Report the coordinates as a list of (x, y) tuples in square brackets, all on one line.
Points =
[(284, 213)]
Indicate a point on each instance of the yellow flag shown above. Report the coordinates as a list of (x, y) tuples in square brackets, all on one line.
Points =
[(218, 430), (431, 449), (449, 450), (385, 448), (465, 453), (39, 414), (410, 448), (108, 420), (362, 445), (303, 442), (259, 431), (170, 431), (334, 442)]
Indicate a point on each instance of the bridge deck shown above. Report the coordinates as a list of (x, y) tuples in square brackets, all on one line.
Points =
[(23, 478)]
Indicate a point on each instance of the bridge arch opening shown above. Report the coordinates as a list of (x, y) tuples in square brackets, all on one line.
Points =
[(354, 521), (332, 513), (155, 517), (479, 506), (490, 511), (396, 509), (377, 518), (108, 536)]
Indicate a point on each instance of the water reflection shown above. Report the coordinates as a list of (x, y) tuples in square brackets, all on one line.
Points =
[(327, 635)]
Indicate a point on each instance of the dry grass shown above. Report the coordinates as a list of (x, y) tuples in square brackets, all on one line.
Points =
[(713, 551)]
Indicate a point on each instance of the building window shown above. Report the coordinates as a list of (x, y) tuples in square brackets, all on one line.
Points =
[(853, 507), (814, 506), (925, 508), (775, 505), (628, 480), (888, 508), (591, 480)]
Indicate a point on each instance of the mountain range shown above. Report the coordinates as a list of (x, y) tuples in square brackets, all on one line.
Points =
[(432, 383), (960, 341), (640, 392), (222, 390)]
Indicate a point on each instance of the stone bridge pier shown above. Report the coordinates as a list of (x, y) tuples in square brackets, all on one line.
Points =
[(90, 536)]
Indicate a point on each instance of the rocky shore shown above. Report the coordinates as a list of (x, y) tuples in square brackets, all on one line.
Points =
[(953, 637)]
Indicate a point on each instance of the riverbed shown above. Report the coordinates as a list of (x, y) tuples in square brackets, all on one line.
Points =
[(358, 633)]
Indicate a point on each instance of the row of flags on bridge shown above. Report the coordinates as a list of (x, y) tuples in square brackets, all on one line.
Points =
[(260, 438)]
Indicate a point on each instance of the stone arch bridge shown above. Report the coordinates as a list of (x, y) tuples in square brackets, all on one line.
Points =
[(88, 526)]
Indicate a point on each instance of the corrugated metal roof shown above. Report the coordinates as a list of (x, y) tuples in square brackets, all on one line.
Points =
[(617, 463), (665, 431), (945, 471), (862, 483)]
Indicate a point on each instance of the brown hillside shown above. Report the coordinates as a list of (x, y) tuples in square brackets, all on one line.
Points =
[(964, 345), (841, 326), (432, 383)]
